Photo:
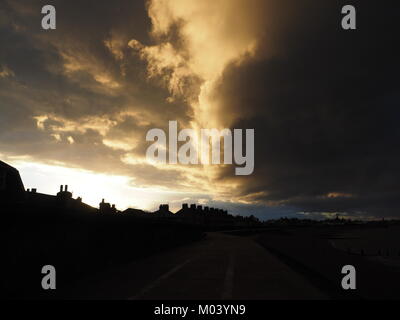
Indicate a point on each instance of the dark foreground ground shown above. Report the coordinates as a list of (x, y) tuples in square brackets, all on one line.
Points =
[(274, 263), (290, 263), (320, 253), (77, 245), (219, 267)]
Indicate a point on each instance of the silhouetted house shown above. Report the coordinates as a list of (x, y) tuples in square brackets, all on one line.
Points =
[(62, 201), (163, 212), (106, 208), (11, 186), (64, 194), (184, 210), (137, 213), (13, 194), (37, 199), (193, 214), (218, 218), (205, 216), (64, 197)]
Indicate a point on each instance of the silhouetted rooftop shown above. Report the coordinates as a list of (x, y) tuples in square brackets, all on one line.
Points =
[(11, 186)]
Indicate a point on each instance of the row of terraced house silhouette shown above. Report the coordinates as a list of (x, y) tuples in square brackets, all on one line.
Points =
[(12, 189)]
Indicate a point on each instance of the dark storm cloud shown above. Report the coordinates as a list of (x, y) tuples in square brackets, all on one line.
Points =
[(325, 106), (66, 61)]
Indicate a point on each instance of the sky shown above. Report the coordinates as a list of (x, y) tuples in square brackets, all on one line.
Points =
[(76, 102)]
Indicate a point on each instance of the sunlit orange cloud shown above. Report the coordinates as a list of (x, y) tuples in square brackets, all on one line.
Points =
[(213, 35), (6, 72)]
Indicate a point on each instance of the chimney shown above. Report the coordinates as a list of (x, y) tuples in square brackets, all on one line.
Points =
[(66, 188), (102, 201), (61, 188), (185, 206), (192, 206), (34, 190), (200, 208)]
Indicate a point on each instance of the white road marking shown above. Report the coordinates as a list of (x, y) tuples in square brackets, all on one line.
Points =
[(228, 284), (159, 280)]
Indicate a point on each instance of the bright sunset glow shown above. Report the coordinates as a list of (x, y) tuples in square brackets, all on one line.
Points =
[(92, 187)]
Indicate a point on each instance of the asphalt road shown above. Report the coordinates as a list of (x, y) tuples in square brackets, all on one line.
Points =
[(220, 267)]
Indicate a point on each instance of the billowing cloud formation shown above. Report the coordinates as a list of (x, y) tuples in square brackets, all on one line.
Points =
[(196, 41), (76, 95), (319, 98), (324, 109), (323, 101)]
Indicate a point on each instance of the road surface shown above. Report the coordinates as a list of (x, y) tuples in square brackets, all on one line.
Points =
[(220, 267)]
